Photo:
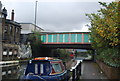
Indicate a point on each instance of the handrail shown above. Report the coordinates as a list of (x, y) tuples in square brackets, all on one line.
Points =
[(76, 70), (78, 61)]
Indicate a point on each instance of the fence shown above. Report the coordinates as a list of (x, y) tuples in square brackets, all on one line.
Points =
[(76, 71)]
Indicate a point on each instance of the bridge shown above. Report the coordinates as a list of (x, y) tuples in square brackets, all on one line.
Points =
[(77, 40)]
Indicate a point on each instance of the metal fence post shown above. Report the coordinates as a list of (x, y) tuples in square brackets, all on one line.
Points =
[(80, 68), (73, 75)]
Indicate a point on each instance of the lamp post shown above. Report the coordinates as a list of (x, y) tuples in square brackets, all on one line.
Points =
[(35, 14)]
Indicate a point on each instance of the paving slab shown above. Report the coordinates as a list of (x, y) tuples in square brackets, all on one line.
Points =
[(91, 70)]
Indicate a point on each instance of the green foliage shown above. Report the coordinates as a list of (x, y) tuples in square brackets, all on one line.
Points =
[(35, 39), (90, 52), (105, 25), (111, 56), (105, 35), (82, 54), (62, 54)]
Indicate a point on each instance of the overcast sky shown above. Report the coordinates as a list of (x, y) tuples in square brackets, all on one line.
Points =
[(54, 15)]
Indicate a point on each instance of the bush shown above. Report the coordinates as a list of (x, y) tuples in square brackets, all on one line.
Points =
[(105, 35), (110, 56)]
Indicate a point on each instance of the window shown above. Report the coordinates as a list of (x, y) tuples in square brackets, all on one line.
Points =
[(5, 52), (41, 69), (57, 67), (15, 52), (10, 52), (47, 68), (36, 68), (5, 30), (11, 27)]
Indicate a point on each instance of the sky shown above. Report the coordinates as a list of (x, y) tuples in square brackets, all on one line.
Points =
[(54, 15)]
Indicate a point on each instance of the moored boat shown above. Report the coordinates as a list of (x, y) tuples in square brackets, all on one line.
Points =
[(45, 69)]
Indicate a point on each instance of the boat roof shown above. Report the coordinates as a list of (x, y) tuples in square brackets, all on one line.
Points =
[(45, 59)]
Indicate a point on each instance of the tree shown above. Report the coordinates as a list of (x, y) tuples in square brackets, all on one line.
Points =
[(105, 35), (35, 39)]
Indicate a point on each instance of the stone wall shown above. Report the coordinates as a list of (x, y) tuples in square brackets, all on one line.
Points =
[(10, 52)]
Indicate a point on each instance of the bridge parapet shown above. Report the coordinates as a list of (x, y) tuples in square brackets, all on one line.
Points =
[(65, 38)]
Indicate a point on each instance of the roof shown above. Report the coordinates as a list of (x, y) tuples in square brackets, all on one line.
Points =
[(32, 24), (12, 22), (45, 59)]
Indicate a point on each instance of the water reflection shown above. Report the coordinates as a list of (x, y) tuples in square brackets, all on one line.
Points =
[(12, 71)]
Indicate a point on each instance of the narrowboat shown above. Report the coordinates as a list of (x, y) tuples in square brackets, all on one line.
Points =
[(45, 69)]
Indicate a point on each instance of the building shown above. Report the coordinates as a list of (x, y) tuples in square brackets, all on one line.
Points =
[(29, 28), (10, 37)]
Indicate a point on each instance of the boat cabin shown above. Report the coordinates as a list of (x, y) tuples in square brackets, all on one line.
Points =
[(46, 68)]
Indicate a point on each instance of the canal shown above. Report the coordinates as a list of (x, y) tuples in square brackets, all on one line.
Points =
[(12, 71)]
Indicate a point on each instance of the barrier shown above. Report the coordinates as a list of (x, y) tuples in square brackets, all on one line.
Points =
[(76, 71)]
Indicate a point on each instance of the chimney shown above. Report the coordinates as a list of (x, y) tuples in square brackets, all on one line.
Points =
[(12, 15)]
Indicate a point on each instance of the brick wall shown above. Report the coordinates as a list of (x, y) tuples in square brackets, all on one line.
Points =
[(111, 72)]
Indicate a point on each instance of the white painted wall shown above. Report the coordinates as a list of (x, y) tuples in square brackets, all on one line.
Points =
[(28, 28)]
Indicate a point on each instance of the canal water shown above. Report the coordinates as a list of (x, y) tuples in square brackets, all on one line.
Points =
[(12, 71)]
